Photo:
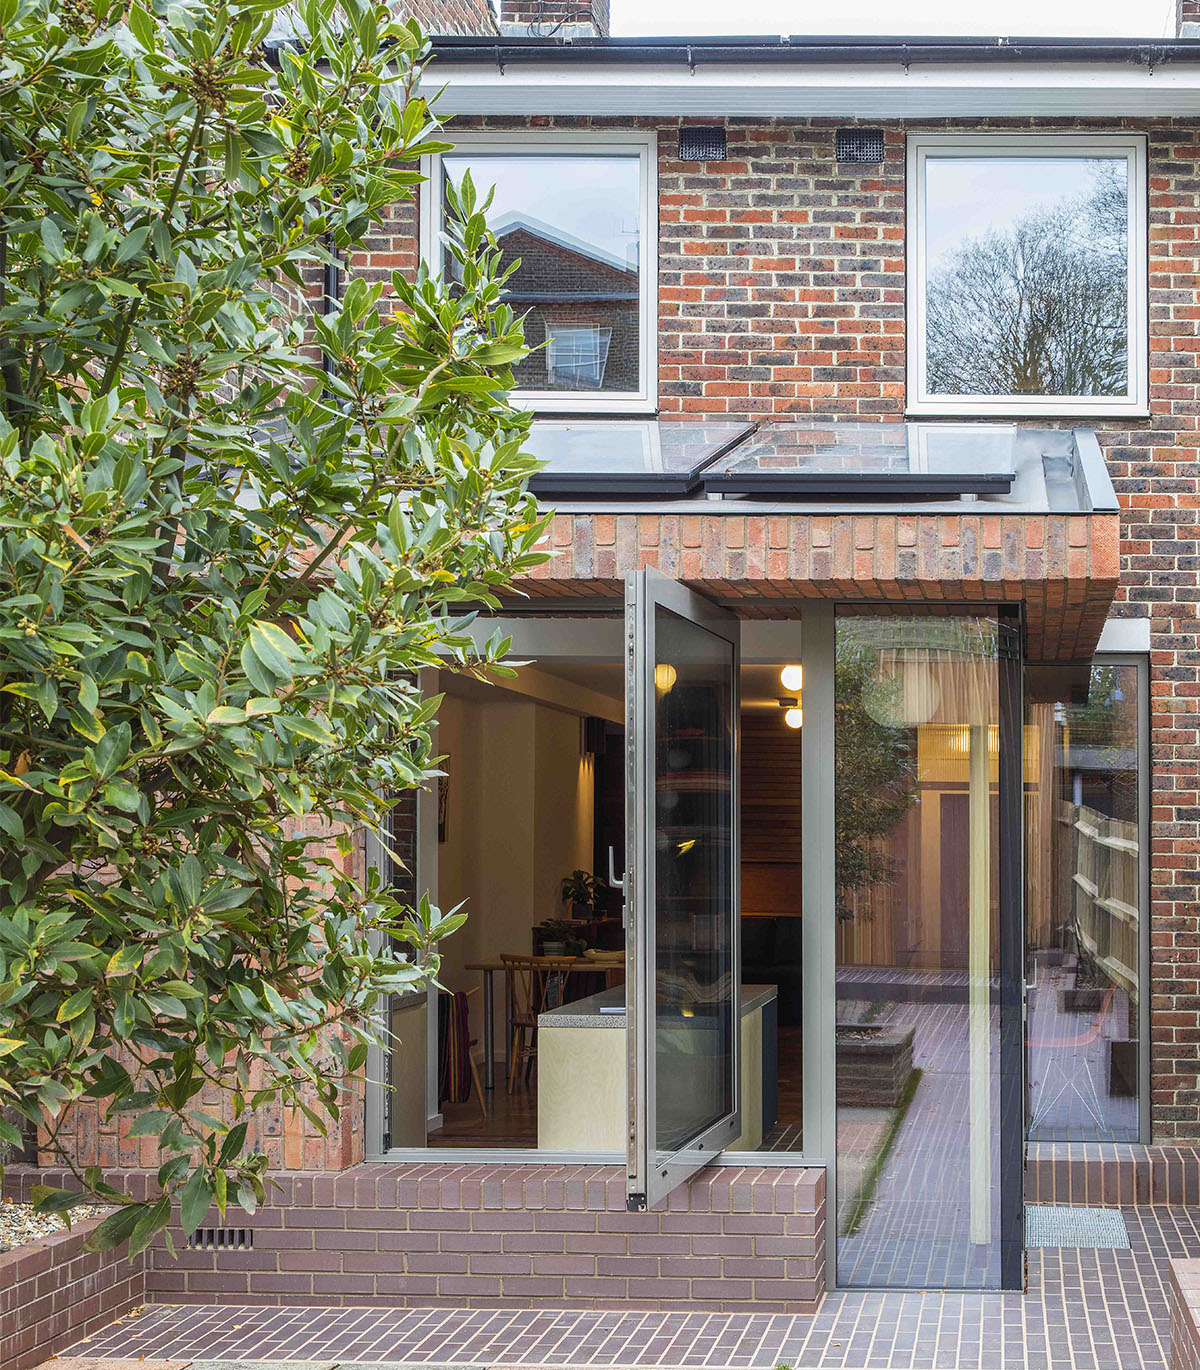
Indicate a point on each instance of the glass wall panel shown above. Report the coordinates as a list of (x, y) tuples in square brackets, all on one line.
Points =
[(1084, 900), (917, 768)]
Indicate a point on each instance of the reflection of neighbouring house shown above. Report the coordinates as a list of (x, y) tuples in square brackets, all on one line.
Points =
[(580, 303)]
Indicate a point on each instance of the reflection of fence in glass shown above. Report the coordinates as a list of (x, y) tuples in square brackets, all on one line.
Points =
[(1105, 896)]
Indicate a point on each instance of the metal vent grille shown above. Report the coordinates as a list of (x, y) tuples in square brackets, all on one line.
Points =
[(702, 144), (1058, 1225), (221, 1239), (860, 145)]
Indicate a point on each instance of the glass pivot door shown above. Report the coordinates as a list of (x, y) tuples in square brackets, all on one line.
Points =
[(684, 976)]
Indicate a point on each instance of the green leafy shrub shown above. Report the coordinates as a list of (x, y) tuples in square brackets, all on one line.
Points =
[(235, 519)]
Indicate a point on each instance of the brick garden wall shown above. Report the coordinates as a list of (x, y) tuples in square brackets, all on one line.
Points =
[(1183, 1298), (53, 1293), (782, 291)]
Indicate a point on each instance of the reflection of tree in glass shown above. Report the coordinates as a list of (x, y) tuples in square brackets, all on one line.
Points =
[(875, 776), (1040, 308)]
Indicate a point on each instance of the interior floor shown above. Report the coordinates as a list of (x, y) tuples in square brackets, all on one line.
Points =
[(512, 1118)]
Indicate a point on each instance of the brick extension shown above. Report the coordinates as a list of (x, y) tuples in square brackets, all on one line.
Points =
[(782, 290), (53, 1293)]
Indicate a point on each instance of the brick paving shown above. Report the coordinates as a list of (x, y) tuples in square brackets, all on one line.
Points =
[(1085, 1310)]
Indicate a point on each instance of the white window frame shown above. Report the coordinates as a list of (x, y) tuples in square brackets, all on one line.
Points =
[(1132, 148), (525, 143)]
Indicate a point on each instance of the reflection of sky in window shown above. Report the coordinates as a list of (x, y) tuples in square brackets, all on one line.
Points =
[(966, 197), (594, 199)]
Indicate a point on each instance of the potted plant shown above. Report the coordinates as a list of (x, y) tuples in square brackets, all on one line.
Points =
[(579, 889), (559, 938)]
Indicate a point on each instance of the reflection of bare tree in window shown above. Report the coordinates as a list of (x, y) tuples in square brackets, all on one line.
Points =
[(1040, 308)]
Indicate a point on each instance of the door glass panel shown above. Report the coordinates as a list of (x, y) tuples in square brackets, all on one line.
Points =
[(694, 980), (684, 999), (918, 942), (1083, 873)]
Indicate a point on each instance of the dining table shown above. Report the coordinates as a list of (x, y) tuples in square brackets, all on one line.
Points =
[(488, 970)]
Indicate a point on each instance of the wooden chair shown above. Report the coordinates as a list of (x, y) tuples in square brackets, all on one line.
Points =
[(471, 1043), (537, 983)]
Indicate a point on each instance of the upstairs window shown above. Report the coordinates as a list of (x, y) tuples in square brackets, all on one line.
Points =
[(1027, 274), (578, 216)]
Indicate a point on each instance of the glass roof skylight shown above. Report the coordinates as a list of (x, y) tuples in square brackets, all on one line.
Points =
[(810, 457), (798, 459), (627, 456)]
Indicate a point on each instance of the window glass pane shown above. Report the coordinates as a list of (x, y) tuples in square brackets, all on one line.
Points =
[(1026, 289), (693, 868), (918, 1062), (573, 222), (1083, 894)]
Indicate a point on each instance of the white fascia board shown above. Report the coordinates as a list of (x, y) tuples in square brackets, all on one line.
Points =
[(865, 91)]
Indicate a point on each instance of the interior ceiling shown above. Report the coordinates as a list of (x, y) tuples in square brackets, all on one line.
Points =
[(761, 688)]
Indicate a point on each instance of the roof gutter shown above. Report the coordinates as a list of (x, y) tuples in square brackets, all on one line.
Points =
[(811, 51)]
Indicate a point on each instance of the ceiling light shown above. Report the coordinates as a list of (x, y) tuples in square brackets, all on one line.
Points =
[(664, 677), (792, 678)]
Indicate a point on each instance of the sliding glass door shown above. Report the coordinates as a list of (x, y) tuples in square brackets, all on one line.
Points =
[(683, 993)]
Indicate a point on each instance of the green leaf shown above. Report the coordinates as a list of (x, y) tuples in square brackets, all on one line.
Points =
[(272, 646), (194, 1202), (75, 1004), (142, 27), (115, 1229)]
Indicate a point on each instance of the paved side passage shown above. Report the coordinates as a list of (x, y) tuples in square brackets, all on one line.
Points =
[(1085, 1310)]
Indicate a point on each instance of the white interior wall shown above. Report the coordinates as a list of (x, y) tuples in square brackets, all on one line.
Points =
[(519, 818)]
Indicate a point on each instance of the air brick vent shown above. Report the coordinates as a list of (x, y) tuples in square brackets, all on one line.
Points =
[(702, 143), (221, 1239), (860, 145)]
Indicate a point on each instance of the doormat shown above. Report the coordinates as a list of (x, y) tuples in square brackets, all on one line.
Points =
[(1059, 1225)]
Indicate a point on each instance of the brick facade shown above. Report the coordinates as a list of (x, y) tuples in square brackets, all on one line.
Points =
[(1183, 1297), (467, 1235), (557, 18), (1062, 568), (452, 17), (782, 290)]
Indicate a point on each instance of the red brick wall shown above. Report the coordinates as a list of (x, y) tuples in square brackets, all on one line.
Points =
[(444, 17), (546, 18), (782, 291), (53, 1293), (289, 1140)]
